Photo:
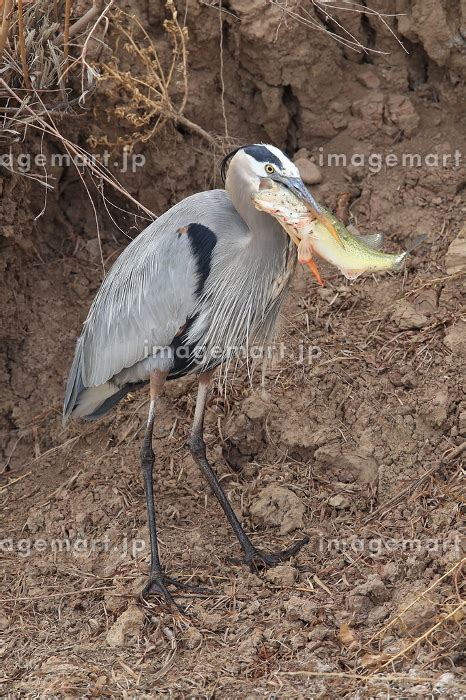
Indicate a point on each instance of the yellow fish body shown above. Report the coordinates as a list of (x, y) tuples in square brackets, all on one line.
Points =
[(355, 254)]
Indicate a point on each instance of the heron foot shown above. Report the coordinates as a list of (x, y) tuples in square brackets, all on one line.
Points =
[(158, 585), (258, 560)]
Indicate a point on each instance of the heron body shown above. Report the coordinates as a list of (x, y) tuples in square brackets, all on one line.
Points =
[(199, 278), (203, 281)]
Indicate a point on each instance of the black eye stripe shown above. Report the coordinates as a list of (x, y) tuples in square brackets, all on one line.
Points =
[(263, 155), (257, 151)]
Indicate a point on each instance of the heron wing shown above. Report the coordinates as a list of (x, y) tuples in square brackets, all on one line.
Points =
[(150, 292)]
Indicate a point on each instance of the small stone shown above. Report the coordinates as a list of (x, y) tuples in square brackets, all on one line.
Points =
[(301, 153), (282, 575), (455, 339), (298, 608), (79, 289), (368, 78), (127, 627), (402, 113), (446, 680), (462, 423), (367, 595), (340, 106), (395, 378), (94, 249), (358, 603), (278, 506), (455, 260), (309, 171), (192, 638), (418, 618), (370, 109), (436, 409), (406, 317), (339, 501), (437, 200), (375, 588)]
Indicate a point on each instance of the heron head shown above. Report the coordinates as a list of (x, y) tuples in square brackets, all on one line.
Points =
[(247, 169)]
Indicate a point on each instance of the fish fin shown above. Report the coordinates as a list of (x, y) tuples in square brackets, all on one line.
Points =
[(304, 250), (416, 242), (324, 219), (351, 274), (401, 260), (372, 240), (315, 271)]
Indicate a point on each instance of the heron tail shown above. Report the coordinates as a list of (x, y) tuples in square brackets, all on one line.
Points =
[(95, 401), (91, 402)]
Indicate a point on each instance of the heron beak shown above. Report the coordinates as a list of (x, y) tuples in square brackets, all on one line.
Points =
[(297, 186)]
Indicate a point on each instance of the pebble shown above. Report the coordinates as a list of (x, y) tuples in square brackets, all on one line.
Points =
[(368, 78), (282, 575), (455, 260), (339, 501), (309, 171), (192, 638), (403, 114), (416, 619), (278, 506), (299, 608), (128, 626), (462, 423), (455, 338), (407, 317)]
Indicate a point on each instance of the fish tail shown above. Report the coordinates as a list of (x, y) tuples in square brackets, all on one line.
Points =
[(400, 260)]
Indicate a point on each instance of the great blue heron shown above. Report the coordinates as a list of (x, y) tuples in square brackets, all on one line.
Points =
[(204, 280)]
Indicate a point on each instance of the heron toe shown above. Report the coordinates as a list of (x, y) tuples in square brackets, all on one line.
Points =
[(158, 583), (256, 559)]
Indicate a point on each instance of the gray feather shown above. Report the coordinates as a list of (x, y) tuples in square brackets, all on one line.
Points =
[(150, 292)]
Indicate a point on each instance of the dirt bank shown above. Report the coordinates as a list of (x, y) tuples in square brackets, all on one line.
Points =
[(357, 446)]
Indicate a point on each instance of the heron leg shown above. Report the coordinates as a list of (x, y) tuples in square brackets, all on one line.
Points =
[(158, 581), (255, 558)]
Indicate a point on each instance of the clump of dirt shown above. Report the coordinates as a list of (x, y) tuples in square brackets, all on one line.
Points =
[(354, 438)]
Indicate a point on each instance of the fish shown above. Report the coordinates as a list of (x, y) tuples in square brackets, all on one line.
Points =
[(354, 256)]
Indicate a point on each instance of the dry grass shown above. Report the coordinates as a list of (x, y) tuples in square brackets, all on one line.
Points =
[(34, 50), (51, 63), (152, 82), (329, 17)]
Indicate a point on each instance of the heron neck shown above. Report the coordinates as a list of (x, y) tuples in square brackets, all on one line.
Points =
[(266, 232)]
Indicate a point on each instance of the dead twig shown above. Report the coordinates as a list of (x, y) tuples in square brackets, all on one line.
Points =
[(421, 595), (6, 22), (82, 22), (22, 44), (66, 31), (417, 641)]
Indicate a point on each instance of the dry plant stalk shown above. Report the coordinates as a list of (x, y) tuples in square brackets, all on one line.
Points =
[(5, 28), (33, 63), (155, 90), (322, 19)]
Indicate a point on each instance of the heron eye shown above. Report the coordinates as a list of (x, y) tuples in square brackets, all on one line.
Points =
[(269, 169)]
